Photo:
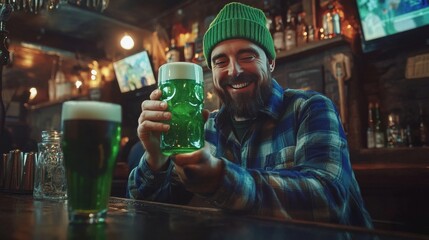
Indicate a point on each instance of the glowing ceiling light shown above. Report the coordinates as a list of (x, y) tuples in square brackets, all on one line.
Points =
[(33, 93), (78, 83), (127, 42)]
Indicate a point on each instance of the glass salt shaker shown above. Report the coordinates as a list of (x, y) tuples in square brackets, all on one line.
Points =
[(49, 177)]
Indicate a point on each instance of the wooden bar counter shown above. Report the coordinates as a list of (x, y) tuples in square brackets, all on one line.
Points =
[(395, 187), (22, 217)]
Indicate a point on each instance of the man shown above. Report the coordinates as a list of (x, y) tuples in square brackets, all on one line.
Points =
[(269, 151)]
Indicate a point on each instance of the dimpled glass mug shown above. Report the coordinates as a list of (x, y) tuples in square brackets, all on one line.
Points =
[(182, 88), (90, 143)]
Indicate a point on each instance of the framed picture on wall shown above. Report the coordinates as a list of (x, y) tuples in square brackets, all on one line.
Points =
[(306, 79)]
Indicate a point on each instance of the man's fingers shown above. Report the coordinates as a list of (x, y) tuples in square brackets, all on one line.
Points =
[(149, 126), (154, 105), (154, 116), (155, 94)]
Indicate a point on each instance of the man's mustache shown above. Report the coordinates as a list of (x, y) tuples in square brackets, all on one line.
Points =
[(244, 77)]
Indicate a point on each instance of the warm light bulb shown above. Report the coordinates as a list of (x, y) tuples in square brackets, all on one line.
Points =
[(78, 83), (33, 93), (127, 42)]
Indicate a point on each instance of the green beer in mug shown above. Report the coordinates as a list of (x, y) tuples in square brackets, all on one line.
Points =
[(182, 88), (90, 143)]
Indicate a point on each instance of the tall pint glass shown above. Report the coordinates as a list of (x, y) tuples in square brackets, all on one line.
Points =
[(90, 143), (182, 84)]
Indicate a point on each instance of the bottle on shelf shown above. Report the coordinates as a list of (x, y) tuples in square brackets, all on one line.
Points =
[(370, 133), (278, 35), (178, 30), (172, 54), (301, 30), (198, 57), (393, 131), (188, 51), (422, 128), (62, 87), (379, 133), (331, 21), (311, 35), (269, 15), (290, 31), (408, 140), (189, 48)]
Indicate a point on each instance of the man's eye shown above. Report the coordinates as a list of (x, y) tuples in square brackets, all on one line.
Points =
[(220, 63), (247, 58)]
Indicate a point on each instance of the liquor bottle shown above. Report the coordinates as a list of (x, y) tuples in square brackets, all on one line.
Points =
[(278, 35), (422, 129), (172, 54), (393, 131), (379, 134), (62, 87), (301, 30), (269, 16), (370, 133), (189, 48), (178, 30), (311, 35), (198, 45), (290, 31), (409, 138), (331, 21)]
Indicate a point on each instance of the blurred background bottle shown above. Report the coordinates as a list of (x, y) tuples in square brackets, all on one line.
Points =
[(393, 131), (173, 53), (290, 31), (379, 133), (268, 10), (331, 20), (422, 128), (278, 35), (311, 34), (370, 133), (301, 30)]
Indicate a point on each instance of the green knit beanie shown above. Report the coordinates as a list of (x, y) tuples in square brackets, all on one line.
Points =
[(237, 20)]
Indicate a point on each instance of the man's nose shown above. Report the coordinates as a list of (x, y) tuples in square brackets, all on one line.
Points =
[(235, 68)]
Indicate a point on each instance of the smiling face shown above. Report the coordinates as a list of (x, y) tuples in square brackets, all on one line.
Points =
[(242, 76)]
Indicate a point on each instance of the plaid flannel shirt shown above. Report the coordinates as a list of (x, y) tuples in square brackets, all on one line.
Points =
[(293, 163)]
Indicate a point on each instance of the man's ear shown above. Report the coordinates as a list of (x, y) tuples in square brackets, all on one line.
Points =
[(272, 64)]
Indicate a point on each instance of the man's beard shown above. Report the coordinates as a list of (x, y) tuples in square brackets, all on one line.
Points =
[(245, 105)]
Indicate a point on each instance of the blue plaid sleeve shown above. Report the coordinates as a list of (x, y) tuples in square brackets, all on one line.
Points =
[(312, 180), (163, 186)]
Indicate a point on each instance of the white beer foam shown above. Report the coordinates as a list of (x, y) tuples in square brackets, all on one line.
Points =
[(91, 110), (180, 70)]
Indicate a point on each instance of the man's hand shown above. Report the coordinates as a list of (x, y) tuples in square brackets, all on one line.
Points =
[(199, 171), (150, 125)]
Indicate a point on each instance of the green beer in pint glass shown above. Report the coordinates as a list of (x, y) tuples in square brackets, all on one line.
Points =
[(182, 84), (90, 143)]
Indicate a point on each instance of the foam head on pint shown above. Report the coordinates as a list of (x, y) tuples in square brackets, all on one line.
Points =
[(180, 70), (91, 110)]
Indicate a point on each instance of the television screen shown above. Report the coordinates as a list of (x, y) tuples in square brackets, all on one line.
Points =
[(134, 72), (387, 19)]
